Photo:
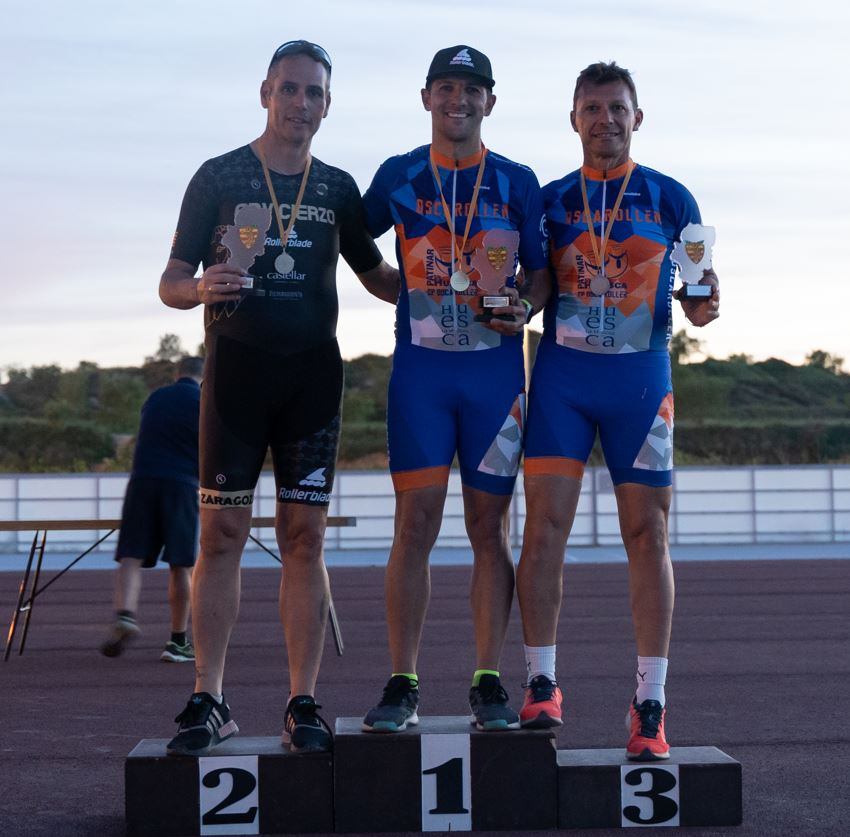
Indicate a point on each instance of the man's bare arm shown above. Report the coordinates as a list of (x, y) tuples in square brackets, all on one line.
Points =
[(180, 288), (536, 288), (382, 281)]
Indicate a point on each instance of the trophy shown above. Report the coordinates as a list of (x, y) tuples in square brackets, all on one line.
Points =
[(488, 303), (692, 255), (245, 239)]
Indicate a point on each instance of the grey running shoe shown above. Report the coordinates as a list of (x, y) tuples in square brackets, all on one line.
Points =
[(396, 709), (203, 724), (175, 653), (122, 632), (489, 704), (304, 730)]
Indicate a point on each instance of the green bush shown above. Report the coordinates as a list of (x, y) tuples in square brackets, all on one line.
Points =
[(361, 438), (39, 445)]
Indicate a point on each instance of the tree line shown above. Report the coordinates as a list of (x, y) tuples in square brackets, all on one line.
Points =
[(733, 411)]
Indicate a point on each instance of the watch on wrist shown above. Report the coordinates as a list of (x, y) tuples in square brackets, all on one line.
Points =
[(529, 309)]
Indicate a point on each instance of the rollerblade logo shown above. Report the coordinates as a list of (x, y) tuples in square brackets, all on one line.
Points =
[(317, 478), (464, 58)]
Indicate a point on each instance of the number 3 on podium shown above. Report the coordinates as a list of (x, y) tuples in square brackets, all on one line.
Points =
[(649, 796)]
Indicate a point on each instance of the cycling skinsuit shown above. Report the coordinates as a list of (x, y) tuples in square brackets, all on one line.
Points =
[(273, 369), (603, 361), (456, 385)]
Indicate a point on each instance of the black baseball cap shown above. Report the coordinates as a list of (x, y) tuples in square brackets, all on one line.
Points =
[(461, 60)]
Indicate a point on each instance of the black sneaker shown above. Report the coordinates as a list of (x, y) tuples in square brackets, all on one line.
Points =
[(122, 632), (396, 709), (489, 704), (203, 724), (304, 730)]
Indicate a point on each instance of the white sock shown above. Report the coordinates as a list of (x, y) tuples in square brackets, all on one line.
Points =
[(216, 698), (540, 659), (651, 677)]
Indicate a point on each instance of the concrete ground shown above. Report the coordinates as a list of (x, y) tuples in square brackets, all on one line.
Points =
[(759, 668)]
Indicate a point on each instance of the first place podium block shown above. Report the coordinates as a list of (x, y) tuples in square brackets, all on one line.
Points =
[(443, 775), (247, 786)]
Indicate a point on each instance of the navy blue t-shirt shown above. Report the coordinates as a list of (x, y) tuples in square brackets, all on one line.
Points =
[(167, 443)]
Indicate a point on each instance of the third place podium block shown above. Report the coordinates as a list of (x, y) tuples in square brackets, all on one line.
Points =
[(443, 775), (698, 786)]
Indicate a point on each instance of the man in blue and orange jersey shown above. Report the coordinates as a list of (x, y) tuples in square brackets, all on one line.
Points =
[(465, 219), (603, 364)]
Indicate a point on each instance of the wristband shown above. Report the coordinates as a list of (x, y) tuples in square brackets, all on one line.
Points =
[(529, 310)]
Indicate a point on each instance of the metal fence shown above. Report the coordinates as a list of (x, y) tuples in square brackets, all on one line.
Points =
[(716, 505)]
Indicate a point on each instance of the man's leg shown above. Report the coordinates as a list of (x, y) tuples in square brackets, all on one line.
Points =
[(215, 591), (643, 512), (407, 585), (179, 597), (492, 590), (550, 503), (128, 585), (304, 591)]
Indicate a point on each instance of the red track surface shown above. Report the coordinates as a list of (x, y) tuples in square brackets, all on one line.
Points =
[(760, 667)]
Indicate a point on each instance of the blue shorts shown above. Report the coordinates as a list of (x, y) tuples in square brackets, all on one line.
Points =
[(627, 397), (467, 403), (159, 516)]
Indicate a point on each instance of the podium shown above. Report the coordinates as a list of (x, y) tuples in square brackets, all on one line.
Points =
[(442, 775)]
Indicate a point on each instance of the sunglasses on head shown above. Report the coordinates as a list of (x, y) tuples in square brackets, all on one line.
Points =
[(301, 47)]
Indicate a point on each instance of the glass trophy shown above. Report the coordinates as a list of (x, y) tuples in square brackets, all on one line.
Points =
[(692, 255)]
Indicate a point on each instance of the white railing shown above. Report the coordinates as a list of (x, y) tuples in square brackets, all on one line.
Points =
[(711, 505)]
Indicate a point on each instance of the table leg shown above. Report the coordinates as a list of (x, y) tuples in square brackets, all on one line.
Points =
[(13, 625), (31, 603)]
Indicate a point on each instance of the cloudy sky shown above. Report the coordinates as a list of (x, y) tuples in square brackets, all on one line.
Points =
[(107, 109)]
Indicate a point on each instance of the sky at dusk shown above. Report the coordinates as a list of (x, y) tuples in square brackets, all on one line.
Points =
[(107, 109)]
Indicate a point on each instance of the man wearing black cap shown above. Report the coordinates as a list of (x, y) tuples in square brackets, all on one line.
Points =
[(465, 220), (268, 222)]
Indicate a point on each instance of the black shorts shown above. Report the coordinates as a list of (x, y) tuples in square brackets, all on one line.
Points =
[(254, 400), (159, 516)]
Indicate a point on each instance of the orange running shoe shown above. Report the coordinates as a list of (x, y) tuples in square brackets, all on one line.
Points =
[(645, 723), (542, 706)]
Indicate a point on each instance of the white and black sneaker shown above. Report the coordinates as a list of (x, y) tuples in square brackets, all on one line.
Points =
[(304, 730), (202, 724)]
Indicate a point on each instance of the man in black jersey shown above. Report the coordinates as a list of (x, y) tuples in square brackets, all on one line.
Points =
[(268, 222)]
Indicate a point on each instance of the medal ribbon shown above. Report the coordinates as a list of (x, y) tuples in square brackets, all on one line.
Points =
[(599, 249), (457, 254), (284, 234)]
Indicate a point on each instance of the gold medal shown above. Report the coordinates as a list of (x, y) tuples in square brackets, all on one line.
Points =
[(284, 263), (459, 281)]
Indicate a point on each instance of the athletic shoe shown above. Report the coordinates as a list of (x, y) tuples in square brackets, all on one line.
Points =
[(645, 723), (175, 653), (304, 730), (542, 706), (202, 724), (123, 631), (396, 709), (489, 704)]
